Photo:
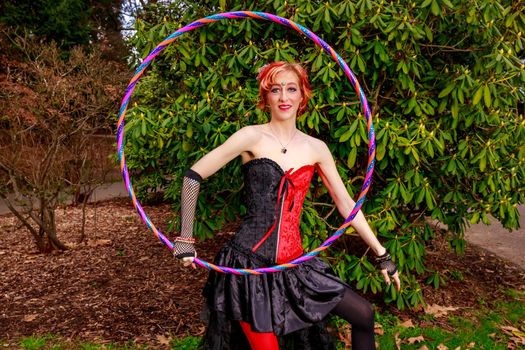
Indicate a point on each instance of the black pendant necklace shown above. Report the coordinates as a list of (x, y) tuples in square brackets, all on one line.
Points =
[(283, 149)]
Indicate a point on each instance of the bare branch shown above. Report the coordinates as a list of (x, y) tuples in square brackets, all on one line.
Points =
[(54, 108), (445, 48), (19, 216)]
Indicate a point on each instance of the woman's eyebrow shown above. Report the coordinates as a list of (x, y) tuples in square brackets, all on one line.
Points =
[(279, 84)]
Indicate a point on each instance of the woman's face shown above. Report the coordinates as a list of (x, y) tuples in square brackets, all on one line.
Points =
[(284, 96)]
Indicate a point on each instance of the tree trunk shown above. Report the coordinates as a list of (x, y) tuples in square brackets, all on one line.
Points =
[(89, 192), (40, 244), (50, 231)]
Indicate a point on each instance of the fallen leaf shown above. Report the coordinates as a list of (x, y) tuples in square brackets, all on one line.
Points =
[(471, 345), (424, 347), (29, 318), (407, 324), (517, 337), (398, 341), (378, 329), (518, 340), (98, 242), (442, 347), (414, 340), (513, 331), (163, 340), (202, 330), (458, 348), (345, 336), (138, 339), (439, 311)]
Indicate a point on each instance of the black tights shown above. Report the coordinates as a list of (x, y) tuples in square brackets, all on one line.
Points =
[(360, 314), (353, 308)]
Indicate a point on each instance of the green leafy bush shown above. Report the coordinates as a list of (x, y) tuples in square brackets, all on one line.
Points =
[(442, 78), (66, 22)]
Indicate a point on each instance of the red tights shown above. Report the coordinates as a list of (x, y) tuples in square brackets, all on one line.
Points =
[(259, 341)]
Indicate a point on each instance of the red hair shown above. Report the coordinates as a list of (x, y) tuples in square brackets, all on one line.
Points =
[(266, 78)]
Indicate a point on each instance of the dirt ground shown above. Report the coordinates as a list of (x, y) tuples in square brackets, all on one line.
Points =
[(122, 284)]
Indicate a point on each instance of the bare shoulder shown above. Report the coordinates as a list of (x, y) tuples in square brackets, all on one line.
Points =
[(249, 130), (317, 147), (249, 133), (310, 140)]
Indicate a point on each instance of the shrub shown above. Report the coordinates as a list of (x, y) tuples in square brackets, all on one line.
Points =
[(442, 80), (51, 111)]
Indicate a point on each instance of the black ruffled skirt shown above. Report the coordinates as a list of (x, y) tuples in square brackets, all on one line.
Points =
[(292, 303)]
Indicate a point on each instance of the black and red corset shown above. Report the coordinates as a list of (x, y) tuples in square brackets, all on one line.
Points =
[(274, 200)]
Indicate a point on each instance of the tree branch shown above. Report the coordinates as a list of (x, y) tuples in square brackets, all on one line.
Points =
[(446, 48), (20, 217)]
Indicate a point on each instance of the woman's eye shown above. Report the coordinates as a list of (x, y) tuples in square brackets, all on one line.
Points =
[(274, 90), (292, 89)]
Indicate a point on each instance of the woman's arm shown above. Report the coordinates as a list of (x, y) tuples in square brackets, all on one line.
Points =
[(344, 203), (241, 141)]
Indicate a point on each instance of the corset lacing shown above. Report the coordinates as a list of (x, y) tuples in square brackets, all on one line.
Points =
[(286, 188)]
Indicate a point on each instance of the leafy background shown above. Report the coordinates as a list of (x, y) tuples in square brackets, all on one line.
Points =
[(442, 78)]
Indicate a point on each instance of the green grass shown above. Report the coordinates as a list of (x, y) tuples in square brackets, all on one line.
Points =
[(34, 343), (188, 343), (50, 342), (477, 328)]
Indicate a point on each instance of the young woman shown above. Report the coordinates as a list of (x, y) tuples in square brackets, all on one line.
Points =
[(278, 163)]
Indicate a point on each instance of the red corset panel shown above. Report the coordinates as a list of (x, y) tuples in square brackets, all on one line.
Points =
[(292, 191)]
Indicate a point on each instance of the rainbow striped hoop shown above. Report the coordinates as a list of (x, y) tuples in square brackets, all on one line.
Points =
[(319, 42)]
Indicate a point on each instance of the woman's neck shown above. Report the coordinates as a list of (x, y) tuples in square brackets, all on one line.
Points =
[(283, 129), (284, 133)]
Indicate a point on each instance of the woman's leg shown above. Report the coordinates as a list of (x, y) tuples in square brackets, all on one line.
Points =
[(259, 341), (360, 314)]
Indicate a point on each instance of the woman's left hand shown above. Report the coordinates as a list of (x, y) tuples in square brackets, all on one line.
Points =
[(395, 277), (389, 269)]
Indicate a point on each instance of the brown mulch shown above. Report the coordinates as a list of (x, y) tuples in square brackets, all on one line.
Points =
[(122, 284)]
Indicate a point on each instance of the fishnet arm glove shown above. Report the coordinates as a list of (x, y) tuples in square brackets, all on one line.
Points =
[(385, 263), (184, 244)]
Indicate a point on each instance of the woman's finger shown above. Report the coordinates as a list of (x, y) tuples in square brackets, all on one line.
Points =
[(386, 277), (397, 281)]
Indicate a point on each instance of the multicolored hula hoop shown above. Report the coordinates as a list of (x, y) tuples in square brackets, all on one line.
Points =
[(319, 42)]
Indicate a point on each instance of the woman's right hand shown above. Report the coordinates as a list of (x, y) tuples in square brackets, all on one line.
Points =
[(184, 250), (188, 261)]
